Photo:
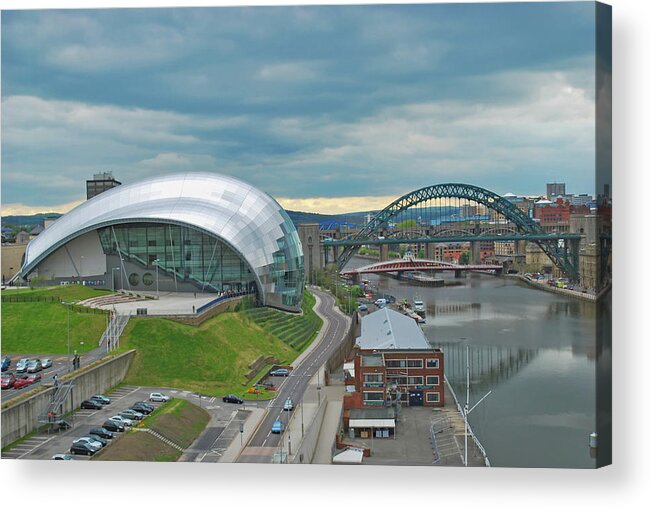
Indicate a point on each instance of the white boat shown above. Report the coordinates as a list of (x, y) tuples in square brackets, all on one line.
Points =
[(419, 306)]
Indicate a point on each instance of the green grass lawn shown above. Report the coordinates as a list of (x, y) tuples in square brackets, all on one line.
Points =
[(211, 358), (42, 328), (296, 330), (72, 292), (139, 446), (179, 421)]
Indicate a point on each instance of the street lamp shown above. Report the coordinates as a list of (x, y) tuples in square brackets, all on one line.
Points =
[(156, 261), (113, 277), (81, 267)]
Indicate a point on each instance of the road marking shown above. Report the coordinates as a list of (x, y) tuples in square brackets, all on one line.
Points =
[(34, 448)]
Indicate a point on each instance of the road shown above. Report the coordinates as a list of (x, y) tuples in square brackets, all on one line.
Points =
[(263, 443)]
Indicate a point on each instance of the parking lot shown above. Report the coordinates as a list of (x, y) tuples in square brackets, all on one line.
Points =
[(223, 427)]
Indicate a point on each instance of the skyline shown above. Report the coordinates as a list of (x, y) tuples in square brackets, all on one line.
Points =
[(318, 106)]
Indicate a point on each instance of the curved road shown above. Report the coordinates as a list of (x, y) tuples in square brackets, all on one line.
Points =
[(263, 443)]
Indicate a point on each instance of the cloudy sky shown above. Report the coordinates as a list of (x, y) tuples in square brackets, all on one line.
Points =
[(328, 109)]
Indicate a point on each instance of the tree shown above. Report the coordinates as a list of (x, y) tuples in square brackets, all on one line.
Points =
[(464, 259)]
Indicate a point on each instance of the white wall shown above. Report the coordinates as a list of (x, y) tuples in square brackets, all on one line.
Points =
[(59, 264)]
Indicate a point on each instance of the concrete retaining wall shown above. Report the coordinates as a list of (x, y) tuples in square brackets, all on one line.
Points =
[(22, 418), (197, 319), (305, 452)]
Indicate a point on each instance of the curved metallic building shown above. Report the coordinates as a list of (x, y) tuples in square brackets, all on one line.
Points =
[(198, 232)]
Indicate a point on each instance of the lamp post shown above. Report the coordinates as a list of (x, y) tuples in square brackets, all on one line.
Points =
[(113, 277), (81, 268), (156, 261), (467, 411)]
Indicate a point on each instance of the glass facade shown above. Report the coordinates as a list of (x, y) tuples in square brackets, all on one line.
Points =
[(183, 252)]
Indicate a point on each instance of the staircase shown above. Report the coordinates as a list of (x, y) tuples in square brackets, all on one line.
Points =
[(54, 414), (117, 324)]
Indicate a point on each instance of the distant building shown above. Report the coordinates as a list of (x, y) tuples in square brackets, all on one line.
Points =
[(23, 237), (392, 364), (101, 182), (554, 190)]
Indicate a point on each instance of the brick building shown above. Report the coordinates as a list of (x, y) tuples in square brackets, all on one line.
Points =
[(392, 363)]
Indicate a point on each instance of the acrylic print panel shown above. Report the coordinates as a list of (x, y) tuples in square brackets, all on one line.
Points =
[(372, 235)]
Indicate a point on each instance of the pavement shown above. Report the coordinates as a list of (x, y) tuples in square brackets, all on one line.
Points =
[(167, 303)]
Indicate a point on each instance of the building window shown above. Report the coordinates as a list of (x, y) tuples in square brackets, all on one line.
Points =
[(432, 363), (399, 380), (148, 279), (395, 364), (415, 364), (373, 398), (415, 380), (433, 397), (373, 380), (134, 279), (432, 380)]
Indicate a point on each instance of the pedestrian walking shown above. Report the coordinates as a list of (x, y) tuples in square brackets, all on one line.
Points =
[(193, 309), (56, 381)]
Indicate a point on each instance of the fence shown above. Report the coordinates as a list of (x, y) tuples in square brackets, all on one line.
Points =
[(470, 432), (25, 298), (222, 298)]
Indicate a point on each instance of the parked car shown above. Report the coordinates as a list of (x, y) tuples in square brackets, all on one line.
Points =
[(288, 405), (138, 406), (102, 399), (95, 441), (277, 427), (62, 456), (101, 432), (131, 414), (21, 381), (6, 362), (127, 422), (33, 378), (91, 404), (279, 372), (34, 366), (362, 307), (113, 426), (46, 363), (83, 449), (158, 397), (233, 399), (8, 381), (21, 366)]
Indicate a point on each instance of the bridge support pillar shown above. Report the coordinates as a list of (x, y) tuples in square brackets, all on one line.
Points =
[(384, 252), (458, 274), (475, 253), (430, 251)]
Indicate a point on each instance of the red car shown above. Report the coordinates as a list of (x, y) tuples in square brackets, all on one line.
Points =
[(21, 381), (8, 381), (33, 378)]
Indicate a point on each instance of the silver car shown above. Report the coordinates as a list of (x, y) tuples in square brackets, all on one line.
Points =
[(34, 366), (131, 414), (121, 419), (21, 366), (46, 363), (90, 442)]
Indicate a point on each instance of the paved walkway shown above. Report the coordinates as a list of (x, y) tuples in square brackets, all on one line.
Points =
[(169, 303)]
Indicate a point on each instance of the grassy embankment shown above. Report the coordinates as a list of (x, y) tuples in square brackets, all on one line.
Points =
[(214, 357), (41, 327), (179, 421)]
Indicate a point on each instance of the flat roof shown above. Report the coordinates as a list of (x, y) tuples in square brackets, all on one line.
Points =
[(388, 329), (372, 413)]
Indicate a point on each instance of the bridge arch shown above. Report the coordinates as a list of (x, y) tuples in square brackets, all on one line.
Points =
[(560, 255)]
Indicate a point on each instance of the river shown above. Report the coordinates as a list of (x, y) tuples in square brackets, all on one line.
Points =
[(535, 350)]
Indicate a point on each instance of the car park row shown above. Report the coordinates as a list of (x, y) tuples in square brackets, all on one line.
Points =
[(100, 436), (27, 372)]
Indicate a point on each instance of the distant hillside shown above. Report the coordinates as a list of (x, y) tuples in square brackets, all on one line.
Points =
[(27, 220)]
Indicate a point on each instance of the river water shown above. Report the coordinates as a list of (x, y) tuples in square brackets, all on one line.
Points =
[(535, 350)]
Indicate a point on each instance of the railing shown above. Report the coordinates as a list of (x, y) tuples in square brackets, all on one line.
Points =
[(373, 385), (470, 432), (223, 298)]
